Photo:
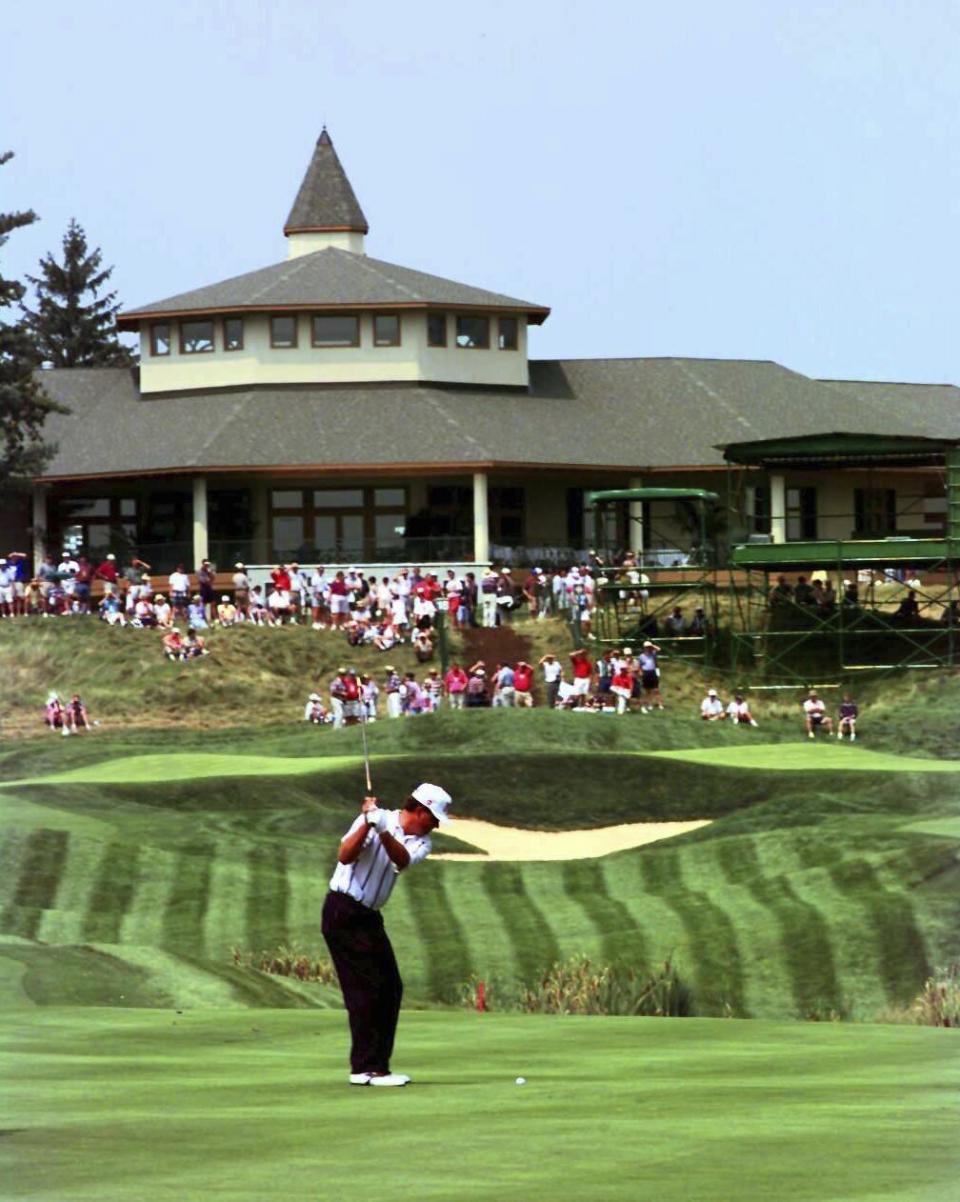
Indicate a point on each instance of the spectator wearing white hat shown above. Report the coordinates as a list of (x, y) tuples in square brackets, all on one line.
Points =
[(711, 707), (314, 710), (375, 850)]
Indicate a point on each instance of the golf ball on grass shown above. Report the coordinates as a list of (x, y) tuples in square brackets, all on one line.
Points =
[(521, 1080)]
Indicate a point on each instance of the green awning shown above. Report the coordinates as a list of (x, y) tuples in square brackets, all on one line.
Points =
[(607, 496)]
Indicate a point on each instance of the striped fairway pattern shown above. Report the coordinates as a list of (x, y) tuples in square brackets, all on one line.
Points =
[(134, 895)]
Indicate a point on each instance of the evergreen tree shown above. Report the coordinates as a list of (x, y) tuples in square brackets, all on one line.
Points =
[(73, 324), (23, 404)]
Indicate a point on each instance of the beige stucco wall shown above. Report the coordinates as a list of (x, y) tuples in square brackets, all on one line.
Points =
[(259, 363)]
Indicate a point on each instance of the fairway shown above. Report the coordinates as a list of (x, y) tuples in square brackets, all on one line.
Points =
[(110, 1106), (808, 756)]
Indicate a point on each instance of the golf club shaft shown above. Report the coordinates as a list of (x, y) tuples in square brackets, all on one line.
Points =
[(363, 739)]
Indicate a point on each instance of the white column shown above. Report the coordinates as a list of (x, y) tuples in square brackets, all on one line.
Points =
[(39, 524), (778, 508), (201, 539), (481, 519), (635, 533)]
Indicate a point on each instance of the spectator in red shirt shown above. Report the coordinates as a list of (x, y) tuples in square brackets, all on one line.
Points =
[(107, 570), (339, 600), (523, 683), (81, 583), (281, 578), (455, 684), (582, 672)]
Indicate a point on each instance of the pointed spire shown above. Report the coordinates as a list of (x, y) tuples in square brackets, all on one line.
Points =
[(326, 201)]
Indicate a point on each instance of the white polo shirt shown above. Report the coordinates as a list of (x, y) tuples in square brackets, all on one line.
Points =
[(370, 878)]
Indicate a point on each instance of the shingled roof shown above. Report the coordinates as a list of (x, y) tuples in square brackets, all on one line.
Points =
[(635, 414), (330, 278), (326, 200)]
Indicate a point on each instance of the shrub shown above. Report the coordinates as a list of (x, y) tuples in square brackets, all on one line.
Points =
[(938, 1003), (578, 986), (288, 962)]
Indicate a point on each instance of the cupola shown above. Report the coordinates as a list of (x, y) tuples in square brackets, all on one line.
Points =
[(326, 211)]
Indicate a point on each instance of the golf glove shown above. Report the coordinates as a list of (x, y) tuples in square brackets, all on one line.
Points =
[(378, 820)]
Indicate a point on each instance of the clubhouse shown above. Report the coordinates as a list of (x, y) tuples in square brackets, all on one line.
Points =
[(334, 408)]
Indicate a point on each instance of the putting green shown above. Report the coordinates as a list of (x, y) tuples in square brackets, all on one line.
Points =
[(809, 756), (109, 1105), (183, 766)]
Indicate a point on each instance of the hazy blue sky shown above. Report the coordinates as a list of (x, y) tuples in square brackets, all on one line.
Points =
[(750, 179)]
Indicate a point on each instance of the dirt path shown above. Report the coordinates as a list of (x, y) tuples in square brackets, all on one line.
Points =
[(509, 843)]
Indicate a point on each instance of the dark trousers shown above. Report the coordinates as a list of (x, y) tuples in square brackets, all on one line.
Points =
[(369, 978)]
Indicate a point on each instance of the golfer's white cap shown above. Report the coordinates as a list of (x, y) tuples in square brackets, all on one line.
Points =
[(435, 799), (711, 692)]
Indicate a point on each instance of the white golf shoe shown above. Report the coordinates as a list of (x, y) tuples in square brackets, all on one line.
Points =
[(383, 1080)]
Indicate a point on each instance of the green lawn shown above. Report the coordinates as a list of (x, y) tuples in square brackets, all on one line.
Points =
[(109, 1106)]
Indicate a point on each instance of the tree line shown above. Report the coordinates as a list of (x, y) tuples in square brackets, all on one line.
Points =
[(72, 324)]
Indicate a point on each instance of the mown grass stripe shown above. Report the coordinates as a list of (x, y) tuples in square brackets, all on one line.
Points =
[(187, 902), (112, 893), (664, 931), (711, 937), (65, 923), (308, 873), (806, 949), (12, 851), (622, 941), (532, 941), (267, 897), (142, 924), (224, 923), (41, 867), (491, 942), (444, 938), (889, 917), (573, 931)]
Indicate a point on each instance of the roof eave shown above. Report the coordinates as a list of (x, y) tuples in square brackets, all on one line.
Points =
[(535, 315)]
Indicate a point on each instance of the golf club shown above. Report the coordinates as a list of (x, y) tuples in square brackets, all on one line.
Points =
[(363, 739)]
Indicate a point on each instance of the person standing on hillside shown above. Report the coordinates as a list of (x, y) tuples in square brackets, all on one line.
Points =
[(375, 850)]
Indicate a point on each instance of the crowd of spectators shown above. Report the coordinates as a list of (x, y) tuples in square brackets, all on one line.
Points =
[(615, 682)]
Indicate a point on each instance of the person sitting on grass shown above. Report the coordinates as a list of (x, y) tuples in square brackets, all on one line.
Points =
[(226, 612), (54, 715), (738, 711), (315, 711), (815, 716), (144, 613), (422, 642), (162, 611), (173, 644), (197, 613), (110, 608), (281, 606), (385, 637), (711, 707), (77, 717), (848, 714), (194, 645), (257, 610)]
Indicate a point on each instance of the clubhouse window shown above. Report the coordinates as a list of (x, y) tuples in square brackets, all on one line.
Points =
[(233, 334), (386, 329), (436, 329), (283, 332), (473, 333), (196, 337), (508, 338), (160, 339), (322, 522), (801, 513), (335, 329)]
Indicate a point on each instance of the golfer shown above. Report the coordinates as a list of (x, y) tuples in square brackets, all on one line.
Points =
[(379, 844)]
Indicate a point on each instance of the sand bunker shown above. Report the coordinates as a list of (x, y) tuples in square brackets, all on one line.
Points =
[(509, 843)]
